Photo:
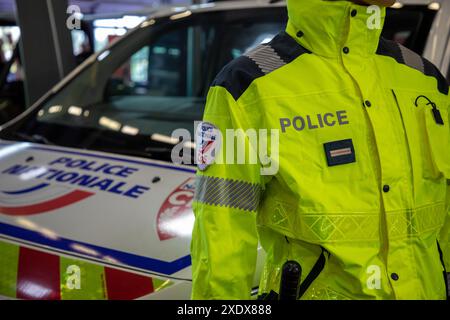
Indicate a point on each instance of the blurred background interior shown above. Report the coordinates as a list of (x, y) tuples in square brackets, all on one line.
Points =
[(102, 21), (98, 23)]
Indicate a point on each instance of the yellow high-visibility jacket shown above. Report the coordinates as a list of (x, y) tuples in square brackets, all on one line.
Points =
[(361, 193)]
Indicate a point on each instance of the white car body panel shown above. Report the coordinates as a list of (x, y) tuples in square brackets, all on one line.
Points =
[(150, 233)]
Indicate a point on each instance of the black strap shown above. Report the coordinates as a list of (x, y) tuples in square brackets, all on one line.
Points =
[(272, 295), (315, 271), (441, 256)]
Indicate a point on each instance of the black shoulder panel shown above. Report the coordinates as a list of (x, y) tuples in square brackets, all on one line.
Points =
[(287, 48), (237, 76), (407, 57), (390, 49), (432, 71)]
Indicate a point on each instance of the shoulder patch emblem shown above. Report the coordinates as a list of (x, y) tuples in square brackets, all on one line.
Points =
[(207, 144)]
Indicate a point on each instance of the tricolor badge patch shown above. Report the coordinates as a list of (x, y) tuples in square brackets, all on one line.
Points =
[(207, 144), (339, 152)]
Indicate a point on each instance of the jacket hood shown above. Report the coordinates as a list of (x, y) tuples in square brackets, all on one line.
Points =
[(326, 26)]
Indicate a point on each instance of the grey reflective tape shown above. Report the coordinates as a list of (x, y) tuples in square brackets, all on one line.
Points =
[(228, 193), (266, 58), (412, 59)]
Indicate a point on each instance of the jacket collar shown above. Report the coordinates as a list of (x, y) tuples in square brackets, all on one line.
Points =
[(327, 26)]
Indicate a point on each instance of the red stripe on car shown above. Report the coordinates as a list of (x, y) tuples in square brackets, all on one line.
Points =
[(60, 202), (122, 285), (38, 275)]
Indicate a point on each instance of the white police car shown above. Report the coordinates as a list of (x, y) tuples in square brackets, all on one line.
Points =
[(91, 205)]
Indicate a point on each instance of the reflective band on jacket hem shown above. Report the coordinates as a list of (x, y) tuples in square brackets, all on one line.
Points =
[(354, 226)]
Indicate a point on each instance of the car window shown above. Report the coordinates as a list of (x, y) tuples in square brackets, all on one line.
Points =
[(136, 94), (158, 69), (177, 64), (9, 37)]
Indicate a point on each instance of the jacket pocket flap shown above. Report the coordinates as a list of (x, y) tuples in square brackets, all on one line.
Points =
[(438, 135)]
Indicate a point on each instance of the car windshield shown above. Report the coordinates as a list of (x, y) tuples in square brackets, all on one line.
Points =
[(134, 95)]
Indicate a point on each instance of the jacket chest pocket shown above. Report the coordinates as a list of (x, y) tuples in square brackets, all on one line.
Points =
[(336, 155), (324, 156), (439, 142), (426, 122), (343, 156)]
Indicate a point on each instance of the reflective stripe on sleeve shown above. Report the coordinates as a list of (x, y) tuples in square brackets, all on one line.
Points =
[(228, 193)]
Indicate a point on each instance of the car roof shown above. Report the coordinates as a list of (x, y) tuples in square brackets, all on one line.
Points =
[(218, 6), (245, 4), (152, 12)]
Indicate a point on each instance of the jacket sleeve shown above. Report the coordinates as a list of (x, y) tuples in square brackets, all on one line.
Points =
[(224, 242), (445, 235), (444, 239)]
